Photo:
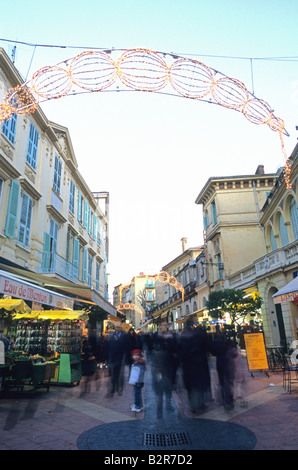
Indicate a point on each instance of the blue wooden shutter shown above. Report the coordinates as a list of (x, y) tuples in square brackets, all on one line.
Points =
[(98, 232), (9, 128), (94, 227), (46, 255), (294, 218), (85, 213), (85, 265), (76, 256), (283, 232), (90, 221), (32, 146), (25, 220), (273, 240), (80, 207), (12, 209)]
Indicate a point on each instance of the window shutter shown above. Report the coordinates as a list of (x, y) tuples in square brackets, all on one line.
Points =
[(94, 227), (85, 213), (294, 218), (80, 207), (85, 265), (46, 252), (32, 146), (76, 256), (12, 209), (25, 220)]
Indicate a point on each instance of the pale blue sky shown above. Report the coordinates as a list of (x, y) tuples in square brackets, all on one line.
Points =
[(154, 153)]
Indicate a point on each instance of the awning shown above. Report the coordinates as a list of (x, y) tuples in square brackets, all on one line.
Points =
[(287, 293), (52, 315), (82, 292), (14, 304)]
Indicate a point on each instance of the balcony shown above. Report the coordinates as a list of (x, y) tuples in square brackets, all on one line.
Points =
[(62, 267), (264, 266)]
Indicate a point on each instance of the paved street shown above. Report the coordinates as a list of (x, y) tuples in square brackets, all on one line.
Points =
[(83, 417)]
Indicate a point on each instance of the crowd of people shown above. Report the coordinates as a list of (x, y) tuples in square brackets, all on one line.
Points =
[(174, 358)]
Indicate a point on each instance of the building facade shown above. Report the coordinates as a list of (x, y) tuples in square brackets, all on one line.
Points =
[(233, 235), (53, 230), (175, 307), (251, 242)]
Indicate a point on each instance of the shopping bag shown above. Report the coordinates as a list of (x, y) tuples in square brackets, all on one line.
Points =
[(134, 375)]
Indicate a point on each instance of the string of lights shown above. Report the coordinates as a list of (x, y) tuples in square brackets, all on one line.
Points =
[(162, 277), (141, 70)]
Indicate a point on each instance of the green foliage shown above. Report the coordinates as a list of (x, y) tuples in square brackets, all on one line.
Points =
[(235, 302)]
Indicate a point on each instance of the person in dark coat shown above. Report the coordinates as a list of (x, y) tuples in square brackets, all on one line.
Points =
[(164, 366), (118, 350), (194, 350), (225, 351)]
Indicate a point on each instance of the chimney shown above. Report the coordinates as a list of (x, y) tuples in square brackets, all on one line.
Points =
[(260, 170), (184, 244)]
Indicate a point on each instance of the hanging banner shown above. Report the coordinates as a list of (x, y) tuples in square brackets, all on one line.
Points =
[(256, 351)]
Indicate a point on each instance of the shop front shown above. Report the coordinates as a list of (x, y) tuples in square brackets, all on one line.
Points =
[(43, 348)]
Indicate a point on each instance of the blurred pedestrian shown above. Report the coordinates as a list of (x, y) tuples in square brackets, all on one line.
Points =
[(118, 349), (225, 351), (164, 367), (136, 378), (194, 348)]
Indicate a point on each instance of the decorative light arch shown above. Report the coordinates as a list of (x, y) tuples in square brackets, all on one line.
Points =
[(163, 277), (128, 306), (141, 70)]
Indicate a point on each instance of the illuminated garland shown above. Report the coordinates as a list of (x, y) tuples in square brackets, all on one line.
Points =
[(128, 306), (141, 70)]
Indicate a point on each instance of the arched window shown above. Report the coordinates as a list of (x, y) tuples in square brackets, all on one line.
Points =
[(294, 218), (273, 241), (283, 232)]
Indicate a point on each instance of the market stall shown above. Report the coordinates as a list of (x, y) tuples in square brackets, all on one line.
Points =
[(45, 347)]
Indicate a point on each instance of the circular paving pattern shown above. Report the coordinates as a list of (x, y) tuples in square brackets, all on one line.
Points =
[(181, 434)]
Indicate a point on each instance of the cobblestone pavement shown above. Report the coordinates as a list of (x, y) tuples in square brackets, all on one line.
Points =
[(76, 417)]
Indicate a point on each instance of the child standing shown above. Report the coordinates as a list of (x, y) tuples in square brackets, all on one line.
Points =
[(136, 379)]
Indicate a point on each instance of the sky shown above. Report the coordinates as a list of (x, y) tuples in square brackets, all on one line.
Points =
[(153, 152)]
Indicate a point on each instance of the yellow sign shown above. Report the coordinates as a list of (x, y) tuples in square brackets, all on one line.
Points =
[(255, 351)]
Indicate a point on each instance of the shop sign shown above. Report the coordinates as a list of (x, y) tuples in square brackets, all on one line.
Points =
[(290, 297), (256, 351), (24, 291), (61, 302)]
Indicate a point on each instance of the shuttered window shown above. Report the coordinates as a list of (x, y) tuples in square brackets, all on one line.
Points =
[(97, 275), (76, 256), (72, 191), (12, 209), (84, 274), (283, 232), (25, 220), (32, 146), (294, 218), (85, 213), (9, 128), (57, 175), (80, 206)]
